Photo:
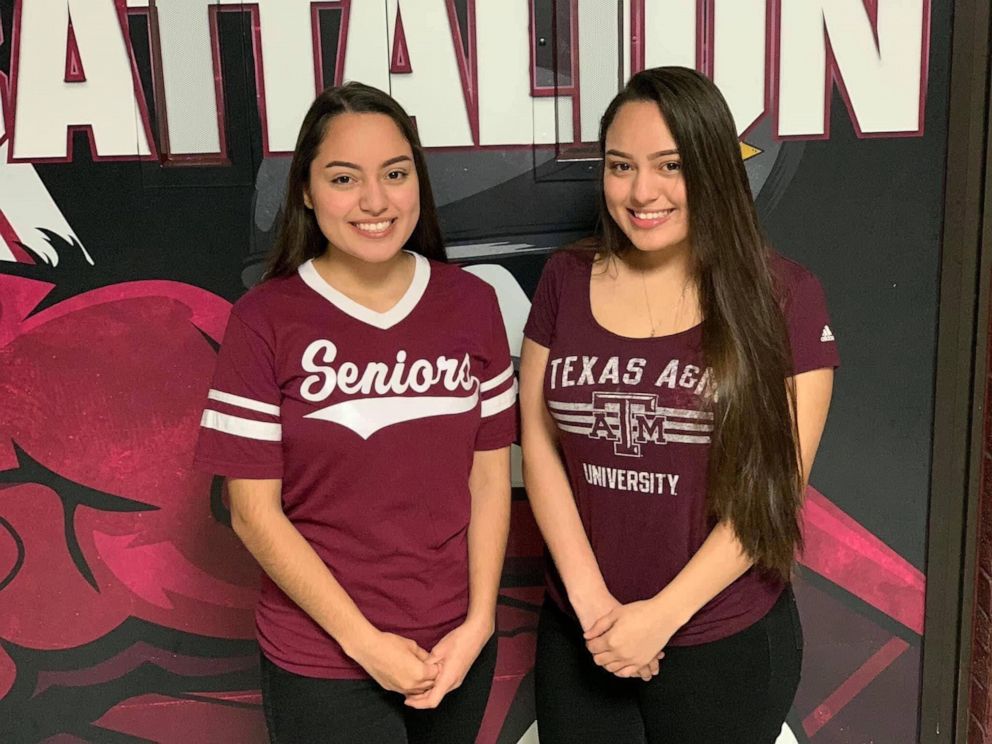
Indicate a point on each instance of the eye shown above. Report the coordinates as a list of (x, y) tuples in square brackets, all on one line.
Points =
[(396, 175), (672, 166), (342, 180), (620, 166)]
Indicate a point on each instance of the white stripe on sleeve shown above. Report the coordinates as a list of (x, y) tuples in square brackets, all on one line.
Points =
[(241, 427), (497, 380), (501, 402), (249, 403)]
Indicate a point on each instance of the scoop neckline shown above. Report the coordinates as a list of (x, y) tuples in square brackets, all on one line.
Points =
[(591, 316)]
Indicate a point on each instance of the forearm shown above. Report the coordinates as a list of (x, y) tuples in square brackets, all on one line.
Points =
[(487, 533), (558, 518), (719, 562), (551, 496), (291, 562)]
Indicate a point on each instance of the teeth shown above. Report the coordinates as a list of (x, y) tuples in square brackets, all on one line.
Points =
[(653, 215), (373, 227)]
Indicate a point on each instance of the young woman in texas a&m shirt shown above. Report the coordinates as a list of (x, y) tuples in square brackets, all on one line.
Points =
[(362, 411), (675, 380)]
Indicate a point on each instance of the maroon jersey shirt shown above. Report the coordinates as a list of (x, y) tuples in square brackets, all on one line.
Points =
[(371, 420), (635, 438)]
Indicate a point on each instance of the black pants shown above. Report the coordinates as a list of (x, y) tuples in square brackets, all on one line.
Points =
[(304, 710), (736, 690)]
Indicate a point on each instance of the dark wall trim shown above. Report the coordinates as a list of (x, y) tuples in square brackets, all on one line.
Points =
[(961, 345), (980, 414)]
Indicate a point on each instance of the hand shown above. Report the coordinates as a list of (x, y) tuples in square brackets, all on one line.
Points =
[(630, 638), (398, 664), (455, 653), (647, 673), (593, 605), (596, 605)]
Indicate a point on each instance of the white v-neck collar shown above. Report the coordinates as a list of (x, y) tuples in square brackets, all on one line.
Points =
[(382, 321)]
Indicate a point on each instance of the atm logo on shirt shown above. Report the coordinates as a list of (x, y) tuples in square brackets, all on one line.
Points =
[(632, 420)]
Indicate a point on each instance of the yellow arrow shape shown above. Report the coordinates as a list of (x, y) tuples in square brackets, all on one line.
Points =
[(749, 151)]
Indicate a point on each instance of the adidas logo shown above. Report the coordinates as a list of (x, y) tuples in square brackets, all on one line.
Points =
[(827, 334)]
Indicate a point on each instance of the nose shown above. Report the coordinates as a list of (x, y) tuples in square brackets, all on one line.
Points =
[(644, 189), (373, 199)]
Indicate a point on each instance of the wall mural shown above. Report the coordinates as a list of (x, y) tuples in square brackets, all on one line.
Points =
[(143, 154)]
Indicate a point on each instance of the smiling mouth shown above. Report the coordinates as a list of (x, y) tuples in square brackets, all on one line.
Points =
[(650, 216), (648, 220), (374, 229)]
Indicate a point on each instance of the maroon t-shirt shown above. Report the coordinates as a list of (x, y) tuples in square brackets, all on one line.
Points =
[(371, 420), (635, 438)]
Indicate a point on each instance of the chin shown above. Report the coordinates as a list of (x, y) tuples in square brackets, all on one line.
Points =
[(378, 255), (370, 251), (644, 247), (657, 243)]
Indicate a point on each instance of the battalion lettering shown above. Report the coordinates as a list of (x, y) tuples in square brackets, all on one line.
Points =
[(767, 64)]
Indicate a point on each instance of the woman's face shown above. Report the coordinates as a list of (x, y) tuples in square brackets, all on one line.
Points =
[(642, 179), (363, 187)]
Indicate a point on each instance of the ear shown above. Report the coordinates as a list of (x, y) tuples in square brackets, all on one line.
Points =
[(306, 198)]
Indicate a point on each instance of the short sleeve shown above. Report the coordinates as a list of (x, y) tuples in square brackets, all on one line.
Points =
[(810, 333), (540, 326), (240, 431), (498, 387)]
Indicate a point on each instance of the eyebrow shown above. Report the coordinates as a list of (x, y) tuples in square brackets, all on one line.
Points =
[(353, 166), (652, 156)]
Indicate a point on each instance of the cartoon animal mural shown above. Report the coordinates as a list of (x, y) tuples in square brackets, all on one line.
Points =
[(142, 162)]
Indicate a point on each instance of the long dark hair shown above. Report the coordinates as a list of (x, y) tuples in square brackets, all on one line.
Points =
[(299, 237), (755, 475)]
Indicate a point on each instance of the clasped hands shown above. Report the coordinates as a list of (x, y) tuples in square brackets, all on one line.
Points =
[(628, 640), (424, 678)]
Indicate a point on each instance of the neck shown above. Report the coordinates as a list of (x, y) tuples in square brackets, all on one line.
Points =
[(670, 264), (352, 272)]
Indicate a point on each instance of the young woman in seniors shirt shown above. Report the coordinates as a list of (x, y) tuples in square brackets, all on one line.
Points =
[(675, 382), (362, 411)]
